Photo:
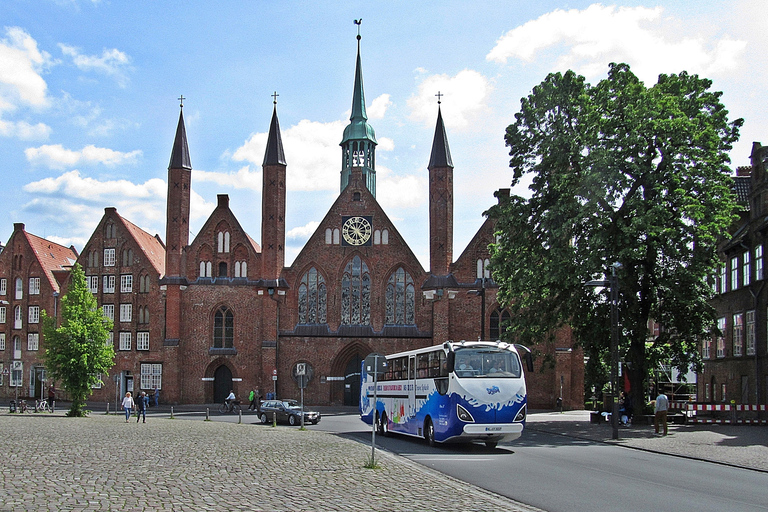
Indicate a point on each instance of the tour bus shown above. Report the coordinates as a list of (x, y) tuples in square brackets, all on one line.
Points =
[(454, 392)]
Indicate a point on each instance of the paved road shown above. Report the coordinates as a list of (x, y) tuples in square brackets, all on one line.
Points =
[(51, 462)]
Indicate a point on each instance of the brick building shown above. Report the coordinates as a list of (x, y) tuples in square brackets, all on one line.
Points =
[(735, 362), (222, 312)]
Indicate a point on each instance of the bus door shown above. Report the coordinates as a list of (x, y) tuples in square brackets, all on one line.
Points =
[(411, 386)]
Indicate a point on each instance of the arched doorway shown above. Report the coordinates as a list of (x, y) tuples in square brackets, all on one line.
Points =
[(222, 383), (352, 380)]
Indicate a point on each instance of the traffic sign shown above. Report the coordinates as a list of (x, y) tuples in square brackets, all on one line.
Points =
[(375, 363)]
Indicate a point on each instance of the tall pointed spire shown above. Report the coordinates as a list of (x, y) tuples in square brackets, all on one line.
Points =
[(441, 154), (273, 202), (440, 201), (359, 142), (274, 153), (180, 152)]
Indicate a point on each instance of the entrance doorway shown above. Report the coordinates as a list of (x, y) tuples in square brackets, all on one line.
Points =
[(352, 381), (222, 384)]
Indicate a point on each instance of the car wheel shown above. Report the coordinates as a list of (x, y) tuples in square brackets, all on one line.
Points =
[(429, 432), (292, 420), (264, 418)]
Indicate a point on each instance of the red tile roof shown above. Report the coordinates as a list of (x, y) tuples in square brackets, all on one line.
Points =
[(152, 247), (52, 257)]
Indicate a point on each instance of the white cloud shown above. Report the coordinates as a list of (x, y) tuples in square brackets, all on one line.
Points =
[(244, 178), (599, 34), (302, 233), (57, 157), (24, 131), (378, 107), (465, 96), (393, 191), (21, 64), (72, 184), (112, 62)]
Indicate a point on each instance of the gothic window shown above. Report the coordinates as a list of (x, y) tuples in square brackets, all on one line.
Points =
[(205, 269), (223, 241), (241, 269), (223, 328), (400, 299), (312, 298), (483, 268), (384, 237), (356, 293), (328, 236), (336, 234), (127, 257), (499, 323), (110, 231)]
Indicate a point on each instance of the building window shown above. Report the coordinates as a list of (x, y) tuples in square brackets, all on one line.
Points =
[(356, 293), (144, 284), (110, 231), (706, 392), (384, 237), (109, 311), (223, 269), (110, 342), (19, 289), (2, 341), (734, 273), (750, 333), (17, 320), (99, 383), (241, 269), (143, 314), (723, 280), (34, 286), (93, 283), (706, 346), (223, 328), (125, 341), (336, 235), (720, 343), (746, 269), (127, 257), (758, 262), (93, 259), (151, 376), (723, 390), (126, 312), (142, 341), (312, 298), (126, 283), (483, 268), (108, 283), (3, 318), (206, 269), (34, 315), (109, 257), (499, 323), (33, 341), (738, 334), (16, 372), (223, 241), (400, 298), (3, 286)]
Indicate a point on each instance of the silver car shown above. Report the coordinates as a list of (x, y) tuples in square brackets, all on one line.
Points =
[(286, 412)]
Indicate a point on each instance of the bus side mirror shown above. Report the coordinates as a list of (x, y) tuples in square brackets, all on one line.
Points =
[(525, 352), (451, 361)]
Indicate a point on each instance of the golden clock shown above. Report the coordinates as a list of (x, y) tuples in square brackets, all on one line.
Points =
[(356, 231)]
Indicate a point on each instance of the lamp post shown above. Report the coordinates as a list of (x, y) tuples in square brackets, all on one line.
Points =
[(613, 284), (481, 293)]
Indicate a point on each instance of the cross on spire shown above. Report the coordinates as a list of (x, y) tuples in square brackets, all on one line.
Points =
[(439, 96), (181, 100), (358, 22), (274, 97)]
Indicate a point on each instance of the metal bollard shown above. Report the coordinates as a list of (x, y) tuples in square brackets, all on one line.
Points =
[(207, 414), (171, 412), (107, 413), (239, 416)]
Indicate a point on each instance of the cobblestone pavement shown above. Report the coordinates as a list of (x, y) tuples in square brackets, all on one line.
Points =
[(51, 462), (738, 445)]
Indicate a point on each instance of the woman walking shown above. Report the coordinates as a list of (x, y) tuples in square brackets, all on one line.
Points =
[(127, 405)]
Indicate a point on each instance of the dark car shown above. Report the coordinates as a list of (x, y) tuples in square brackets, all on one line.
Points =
[(286, 411)]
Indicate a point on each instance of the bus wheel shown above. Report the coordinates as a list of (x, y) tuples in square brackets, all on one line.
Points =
[(491, 444), (429, 432)]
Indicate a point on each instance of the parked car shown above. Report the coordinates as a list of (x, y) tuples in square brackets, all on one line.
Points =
[(287, 411)]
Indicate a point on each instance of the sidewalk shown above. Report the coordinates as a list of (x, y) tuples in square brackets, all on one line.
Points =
[(740, 445)]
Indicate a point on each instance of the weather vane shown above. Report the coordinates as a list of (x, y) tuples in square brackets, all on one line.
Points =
[(274, 97), (181, 100), (439, 96)]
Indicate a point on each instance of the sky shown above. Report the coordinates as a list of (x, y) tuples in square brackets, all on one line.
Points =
[(89, 98)]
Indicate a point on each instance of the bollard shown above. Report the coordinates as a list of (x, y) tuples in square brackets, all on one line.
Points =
[(239, 416), (207, 414), (274, 418), (107, 413), (171, 412)]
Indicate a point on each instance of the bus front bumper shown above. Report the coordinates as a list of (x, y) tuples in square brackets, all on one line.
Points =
[(498, 431)]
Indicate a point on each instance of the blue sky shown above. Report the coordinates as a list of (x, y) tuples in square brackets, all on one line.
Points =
[(88, 97)]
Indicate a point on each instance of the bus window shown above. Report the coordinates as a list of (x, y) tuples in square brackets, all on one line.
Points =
[(484, 362)]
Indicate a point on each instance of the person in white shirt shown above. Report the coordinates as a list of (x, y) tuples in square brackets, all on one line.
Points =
[(230, 400), (128, 405), (662, 405)]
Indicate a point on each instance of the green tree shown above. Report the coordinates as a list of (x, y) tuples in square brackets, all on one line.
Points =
[(76, 352), (620, 172)]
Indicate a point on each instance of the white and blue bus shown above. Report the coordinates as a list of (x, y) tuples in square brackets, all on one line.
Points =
[(455, 392)]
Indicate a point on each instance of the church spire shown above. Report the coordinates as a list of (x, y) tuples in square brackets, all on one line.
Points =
[(274, 153), (273, 202), (359, 142), (440, 201), (441, 154), (180, 151)]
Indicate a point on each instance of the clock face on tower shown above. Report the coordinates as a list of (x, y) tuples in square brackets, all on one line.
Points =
[(356, 231)]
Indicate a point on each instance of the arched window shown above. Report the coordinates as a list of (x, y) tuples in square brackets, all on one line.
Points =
[(241, 269), (19, 289), (312, 298), (400, 299), (223, 328), (500, 321), (205, 269), (223, 269), (356, 293), (328, 236), (223, 241), (384, 237), (127, 257)]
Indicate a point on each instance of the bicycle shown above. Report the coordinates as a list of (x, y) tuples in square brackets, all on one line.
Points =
[(42, 406), (22, 407), (233, 407)]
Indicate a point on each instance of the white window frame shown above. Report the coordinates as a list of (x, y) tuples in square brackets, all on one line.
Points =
[(34, 286), (738, 334), (734, 273), (720, 342), (109, 257), (99, 382), (93, 283), (18, 321), (126, 312), (2, 341), (3, 286), (19, 289), (16, 378), (125, 341), (126, 283), (750, 333), (109, 311), (706, 347), (723, 279), (33, 341), (34, 315), (151, 375), (3, 315), (746, 269), (108, 283), (142, 340), (759, 262)]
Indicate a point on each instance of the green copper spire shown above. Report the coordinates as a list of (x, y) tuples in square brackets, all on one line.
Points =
[(359, 142)]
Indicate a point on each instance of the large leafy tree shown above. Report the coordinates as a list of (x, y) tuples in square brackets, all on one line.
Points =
[(619, 172), (76, 352)]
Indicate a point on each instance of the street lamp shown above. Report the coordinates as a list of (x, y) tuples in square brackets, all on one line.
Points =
[(481, 293), (613, 284)]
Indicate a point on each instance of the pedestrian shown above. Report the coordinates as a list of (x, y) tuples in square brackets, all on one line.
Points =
[(660, 416), (157, 396), (141, 407), (51, 396), (252, 397), (128, 405)]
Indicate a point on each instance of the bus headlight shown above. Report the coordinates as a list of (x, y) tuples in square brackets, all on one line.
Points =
[(521, 414), (463, 414)]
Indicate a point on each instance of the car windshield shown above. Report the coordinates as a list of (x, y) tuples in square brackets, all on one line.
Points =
[(487, 362)]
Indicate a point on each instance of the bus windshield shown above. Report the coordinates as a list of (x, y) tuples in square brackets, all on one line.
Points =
[(487, 362)]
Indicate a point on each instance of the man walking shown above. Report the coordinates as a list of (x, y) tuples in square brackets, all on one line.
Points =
[(662, 405), (141, 407)]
